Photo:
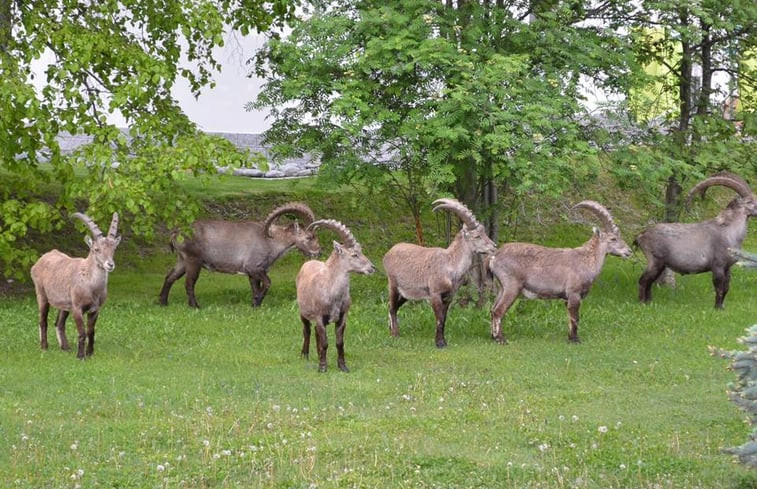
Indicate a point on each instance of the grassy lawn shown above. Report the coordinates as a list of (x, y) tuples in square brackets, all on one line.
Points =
[(219, 397)]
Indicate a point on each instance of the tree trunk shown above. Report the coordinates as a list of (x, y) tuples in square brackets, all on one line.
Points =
[(5, 25), (673, 190)]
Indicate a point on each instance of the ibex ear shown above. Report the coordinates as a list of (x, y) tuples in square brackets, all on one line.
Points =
[(88, 240), (117, 239), (338, 248)]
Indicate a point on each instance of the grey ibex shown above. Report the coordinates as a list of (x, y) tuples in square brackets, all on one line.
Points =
[(248, 248), (420, 273), (76, 285), (538, 272), (699, 247), (323, 291)]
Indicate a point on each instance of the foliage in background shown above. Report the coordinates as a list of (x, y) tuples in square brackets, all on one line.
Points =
[(107, 60), (690, 127), (459, 97)]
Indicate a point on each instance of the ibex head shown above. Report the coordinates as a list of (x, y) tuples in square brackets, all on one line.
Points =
[(730, 180), (473, 231), (101, 247), (609, 233), (304, 240), (349, 250)]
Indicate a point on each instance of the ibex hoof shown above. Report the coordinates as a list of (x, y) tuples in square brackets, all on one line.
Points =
[(574, 339), (441, 344), (500, 340), (344, 368), (322, 368)]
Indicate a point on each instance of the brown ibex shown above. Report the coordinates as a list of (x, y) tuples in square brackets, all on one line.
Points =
[(323, 291), (699, 247), (247, 248), (419, 273), (76, 285), (538, 272)]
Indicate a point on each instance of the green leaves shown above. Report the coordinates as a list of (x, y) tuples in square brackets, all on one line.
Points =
[(102, 60)]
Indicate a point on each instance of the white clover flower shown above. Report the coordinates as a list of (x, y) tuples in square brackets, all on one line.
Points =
[(206, 443), (602, 429), (622, 466), (74, 446), (276, 408), (544, 447), (160, 468), (226, 453), (574, 418)]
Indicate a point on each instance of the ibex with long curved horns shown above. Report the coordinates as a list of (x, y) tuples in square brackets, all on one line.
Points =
[(420, 273), (700, 246), (538, 272), (248, 248), (323, 291), (76, 285)]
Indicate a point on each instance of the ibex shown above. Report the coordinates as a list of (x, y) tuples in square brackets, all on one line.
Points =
[(76, 285), (700, 246), (323, 291), (418, 273), (247, 248), (538, 272)]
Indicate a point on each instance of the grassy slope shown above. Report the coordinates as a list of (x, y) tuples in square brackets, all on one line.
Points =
[(220, 398)]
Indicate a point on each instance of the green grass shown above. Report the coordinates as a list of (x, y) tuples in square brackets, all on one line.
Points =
[(219, 397)]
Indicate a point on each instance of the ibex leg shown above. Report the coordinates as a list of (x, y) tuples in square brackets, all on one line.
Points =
[(440, 306), (44, 309), (721, 279), (60, 329), (647, 280), (305, 337), (574, 302), (259, 283), (193, 273), (341, 324), (322, 343), (79, 319), (173, 275), (91, 320), (395, 301), (502, 303)]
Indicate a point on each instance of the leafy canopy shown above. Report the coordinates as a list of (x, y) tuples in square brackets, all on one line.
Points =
[(109, 60)]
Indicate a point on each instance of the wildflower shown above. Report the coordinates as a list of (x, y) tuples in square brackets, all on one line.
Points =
[(622, 466), (226, 453), (160, 467), (602, 429), (74, 445), (276, 408), (206, 443), (574, 418), (544, 447)]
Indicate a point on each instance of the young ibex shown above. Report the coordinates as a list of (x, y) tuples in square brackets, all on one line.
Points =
[(554, 273), (247, 248), (76, 285), (417, 273), (700, 246), (323, 291)]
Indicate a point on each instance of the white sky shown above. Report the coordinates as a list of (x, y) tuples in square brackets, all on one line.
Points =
[(221, 109)]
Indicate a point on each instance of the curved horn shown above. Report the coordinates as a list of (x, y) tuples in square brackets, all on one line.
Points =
[(459, 209), (726, 179), (601, 212), (347, 238), (297, 208), (96, 233), (113, 226)]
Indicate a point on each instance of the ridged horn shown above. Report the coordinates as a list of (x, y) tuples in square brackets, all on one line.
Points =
[(725, 179), (296, 208), (347, 238), (601, 212), (96, 233), (113, 226), (459, 209)]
